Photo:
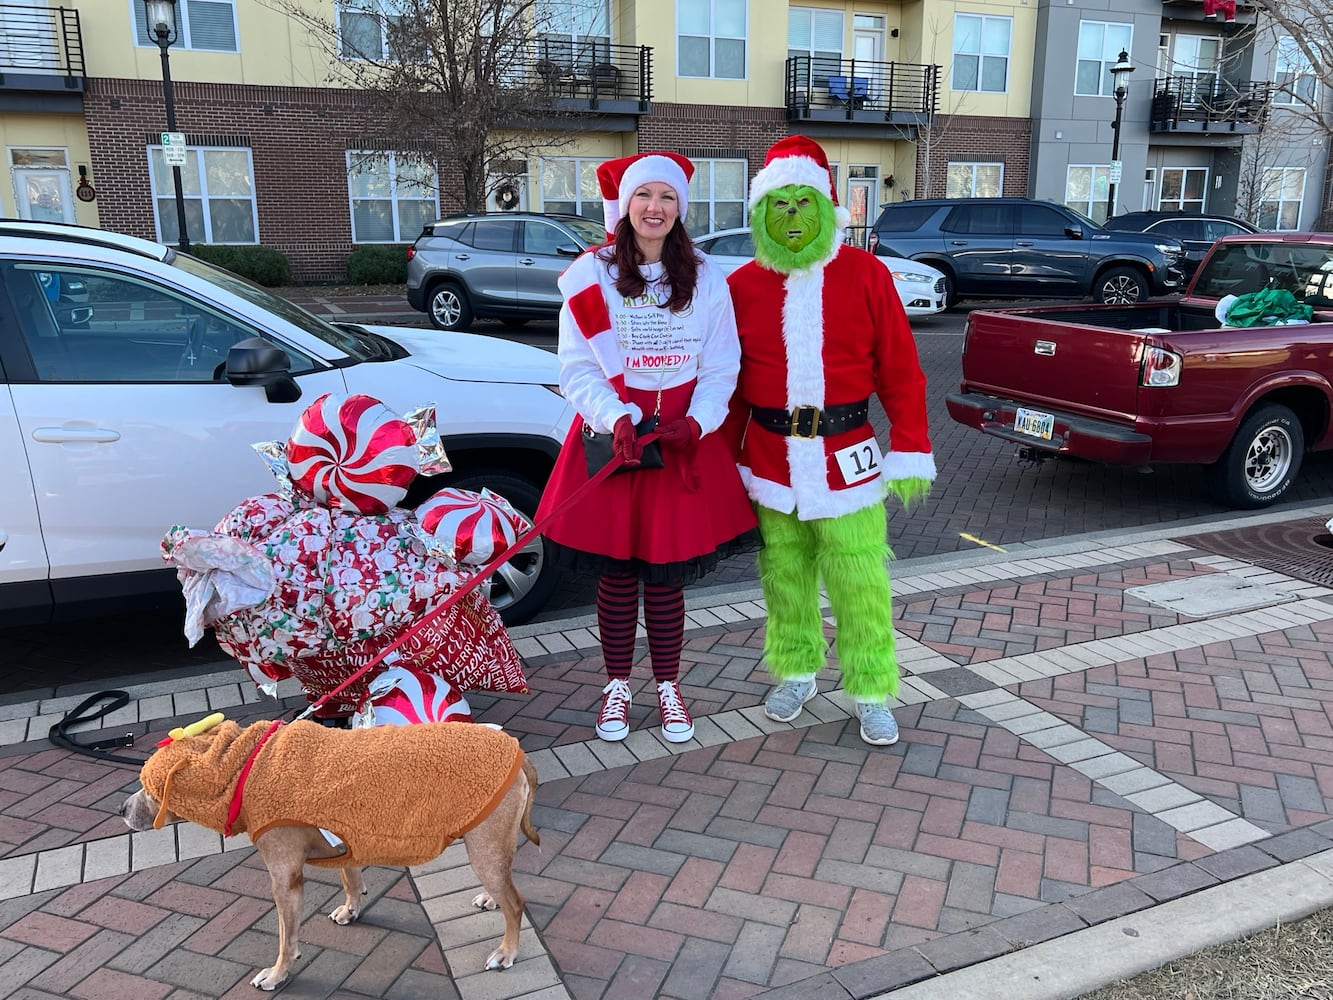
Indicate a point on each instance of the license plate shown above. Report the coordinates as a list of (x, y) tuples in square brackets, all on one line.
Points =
[(1035, 423)]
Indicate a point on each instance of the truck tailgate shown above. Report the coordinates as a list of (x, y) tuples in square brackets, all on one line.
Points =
[(1087, 369)]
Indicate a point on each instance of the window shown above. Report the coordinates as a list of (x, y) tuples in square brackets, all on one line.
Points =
[(1099, 46), (710, 38), (219, 190), (1195, 66), (1149, 189), (1293, 74), (574, 33), (1280, 208), (544, 238), (363, 27), (980, 220), (393, 195), (735, 245), (1183, 189), (492, 235), (817, 34), (1087, 187), (569, 186), (200, 24), (974, 180), (981, 53), (717, 196), (85, 325), (41, 184), (1041, 220)]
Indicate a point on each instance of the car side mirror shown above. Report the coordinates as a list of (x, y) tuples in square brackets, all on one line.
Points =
[(1074, 232), (568, 250), (257, 362)]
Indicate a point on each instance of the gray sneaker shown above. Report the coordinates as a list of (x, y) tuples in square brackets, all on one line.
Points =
[(878, 726), (785, 701)]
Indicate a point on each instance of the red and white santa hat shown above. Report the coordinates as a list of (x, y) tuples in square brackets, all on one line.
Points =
[(620, 178), (793, 160)]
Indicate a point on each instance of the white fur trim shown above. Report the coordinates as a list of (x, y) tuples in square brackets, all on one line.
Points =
[(647, 169), (803, 335), (833, 503), (772, 495), (909, 465), (611, 215), (789, 170), (842, 219)]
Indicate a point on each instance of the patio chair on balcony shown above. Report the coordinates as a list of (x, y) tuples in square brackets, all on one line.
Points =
[(855, 97), (605, 80), (553, 76)]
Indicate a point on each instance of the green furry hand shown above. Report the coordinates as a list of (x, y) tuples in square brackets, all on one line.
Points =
[(909, 490)]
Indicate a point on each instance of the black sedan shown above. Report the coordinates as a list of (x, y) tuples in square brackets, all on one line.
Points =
[(1197, 233)]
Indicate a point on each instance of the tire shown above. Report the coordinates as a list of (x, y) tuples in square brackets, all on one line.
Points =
[(521, 587), (1120, 286), (1262, 460), (448, 307), (950, 286)]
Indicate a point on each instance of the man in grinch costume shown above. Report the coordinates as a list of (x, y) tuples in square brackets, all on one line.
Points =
[(821, 330)]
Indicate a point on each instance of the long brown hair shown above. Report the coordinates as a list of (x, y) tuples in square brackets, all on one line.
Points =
[(678, 261)]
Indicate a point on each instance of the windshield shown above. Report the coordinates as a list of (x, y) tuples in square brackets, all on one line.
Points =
[(592, 233), (1304, 269), (344, 340)]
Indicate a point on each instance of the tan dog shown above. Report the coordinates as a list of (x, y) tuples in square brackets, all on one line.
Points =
[(394, 795)]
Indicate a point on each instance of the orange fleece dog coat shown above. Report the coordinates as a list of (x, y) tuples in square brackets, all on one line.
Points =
[(394, 795)]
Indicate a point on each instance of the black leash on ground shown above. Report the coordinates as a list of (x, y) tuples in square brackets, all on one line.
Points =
[(83, 712)]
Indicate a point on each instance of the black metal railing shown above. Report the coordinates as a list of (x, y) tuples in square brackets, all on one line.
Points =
[(1204, 104), (593, 71), (859, 89), (40, 39)]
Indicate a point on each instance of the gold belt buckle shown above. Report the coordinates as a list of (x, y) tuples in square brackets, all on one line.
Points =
[(814, 423)]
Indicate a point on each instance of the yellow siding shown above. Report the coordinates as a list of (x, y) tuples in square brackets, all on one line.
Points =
[(49, 131)]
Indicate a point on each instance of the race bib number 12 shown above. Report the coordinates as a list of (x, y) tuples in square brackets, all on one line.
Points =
[(859, 462)]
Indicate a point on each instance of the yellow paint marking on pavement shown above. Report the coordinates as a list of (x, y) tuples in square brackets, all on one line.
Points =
[(973, 538)]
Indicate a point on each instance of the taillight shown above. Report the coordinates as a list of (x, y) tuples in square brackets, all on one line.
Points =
[(1160, 367), (411, 250)]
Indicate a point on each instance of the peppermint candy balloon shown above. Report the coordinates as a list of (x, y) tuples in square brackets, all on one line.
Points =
[(476, 526), (404, 697), (352, 453)]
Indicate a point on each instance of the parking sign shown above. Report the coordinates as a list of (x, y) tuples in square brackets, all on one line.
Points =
[(173, 148)]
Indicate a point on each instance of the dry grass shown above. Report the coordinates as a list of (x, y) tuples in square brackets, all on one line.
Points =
[(1286, 962)]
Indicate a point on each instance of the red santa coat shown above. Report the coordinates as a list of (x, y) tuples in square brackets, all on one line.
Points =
[(831, 334)]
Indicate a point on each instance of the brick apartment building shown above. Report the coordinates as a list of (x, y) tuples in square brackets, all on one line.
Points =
[(910, 99)]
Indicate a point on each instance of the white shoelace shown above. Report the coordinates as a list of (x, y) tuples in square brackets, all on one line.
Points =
[(617, 700), (669, 700)]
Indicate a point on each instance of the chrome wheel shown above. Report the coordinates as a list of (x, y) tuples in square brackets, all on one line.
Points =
[(515, 579), (1268, 458), (449, 308), (1120, 287)]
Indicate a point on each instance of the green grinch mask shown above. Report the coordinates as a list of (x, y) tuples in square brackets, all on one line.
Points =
[(793, 227)]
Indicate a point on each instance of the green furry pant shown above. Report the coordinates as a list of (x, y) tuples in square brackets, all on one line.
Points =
[(850, 555)]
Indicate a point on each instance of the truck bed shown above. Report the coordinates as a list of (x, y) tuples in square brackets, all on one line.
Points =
[(1156, 316)]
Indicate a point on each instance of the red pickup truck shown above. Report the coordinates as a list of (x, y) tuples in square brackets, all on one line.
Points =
[(1165, 381)]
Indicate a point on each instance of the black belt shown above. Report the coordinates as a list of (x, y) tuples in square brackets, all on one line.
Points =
[(811, 421)]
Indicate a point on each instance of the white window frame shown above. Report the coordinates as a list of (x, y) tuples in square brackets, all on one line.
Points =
[(169, 195), (1182, 204), (1105, 81), (819, 57), (961, 37), (381, 10), (1094, 201), (699, 199), (394, 197), (1278, 201), (590, 207), (713, 38), (183, 36), (1291, 67), (972, 178), (1149, 189)]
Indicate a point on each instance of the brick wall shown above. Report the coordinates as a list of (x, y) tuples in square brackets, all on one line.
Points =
[(974, 139), (298, 139), (704, 131)]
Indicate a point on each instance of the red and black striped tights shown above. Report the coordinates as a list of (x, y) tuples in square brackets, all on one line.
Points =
[(663, 618)]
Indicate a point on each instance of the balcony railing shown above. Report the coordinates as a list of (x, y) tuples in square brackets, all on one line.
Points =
[(42, 41), (861, 91), (594, 74), (1193, 104)]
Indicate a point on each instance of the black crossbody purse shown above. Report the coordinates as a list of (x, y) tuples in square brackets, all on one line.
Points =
[(599, 449)]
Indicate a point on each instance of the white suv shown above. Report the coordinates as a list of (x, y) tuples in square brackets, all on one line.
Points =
[(134, 379)]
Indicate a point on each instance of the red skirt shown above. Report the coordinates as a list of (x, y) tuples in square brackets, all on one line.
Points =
[(648, 521)]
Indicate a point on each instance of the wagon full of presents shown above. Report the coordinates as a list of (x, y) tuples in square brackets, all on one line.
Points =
[(316, 579)]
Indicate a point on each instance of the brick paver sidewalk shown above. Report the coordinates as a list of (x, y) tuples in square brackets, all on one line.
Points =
[(1080, 741)]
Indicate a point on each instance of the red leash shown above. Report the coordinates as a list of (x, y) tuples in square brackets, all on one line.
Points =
[(600, 476)]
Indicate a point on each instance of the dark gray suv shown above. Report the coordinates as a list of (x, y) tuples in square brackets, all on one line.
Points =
[(1023, 248), (502, 265)]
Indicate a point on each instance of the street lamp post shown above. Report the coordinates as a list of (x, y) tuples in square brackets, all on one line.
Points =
[(160, 16), (1120, 75)]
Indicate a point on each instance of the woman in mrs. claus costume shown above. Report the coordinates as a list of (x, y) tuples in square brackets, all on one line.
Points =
[(647, 329)]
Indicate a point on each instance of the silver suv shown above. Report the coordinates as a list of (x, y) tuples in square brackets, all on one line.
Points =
[(499, 266)]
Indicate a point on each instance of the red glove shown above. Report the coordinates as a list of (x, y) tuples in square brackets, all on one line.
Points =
[(680, 435), (625, 439)]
